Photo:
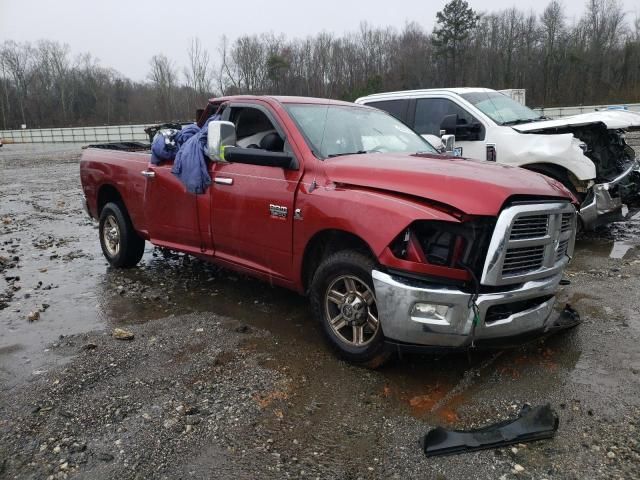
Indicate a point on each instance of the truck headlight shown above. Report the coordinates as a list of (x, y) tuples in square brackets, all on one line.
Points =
[(454, 246)]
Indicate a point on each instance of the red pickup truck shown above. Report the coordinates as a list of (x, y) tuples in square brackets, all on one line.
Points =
[(393, 243)]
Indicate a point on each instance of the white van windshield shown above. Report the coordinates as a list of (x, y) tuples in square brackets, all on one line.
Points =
[(500, 108)]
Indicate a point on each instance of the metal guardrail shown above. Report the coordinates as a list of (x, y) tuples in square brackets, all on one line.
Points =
[(555, 112), (114, 133)]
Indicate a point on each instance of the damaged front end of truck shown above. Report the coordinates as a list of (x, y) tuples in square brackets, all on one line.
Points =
[(602, 137)]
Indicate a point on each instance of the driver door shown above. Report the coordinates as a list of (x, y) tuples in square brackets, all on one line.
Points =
[(253, 205)]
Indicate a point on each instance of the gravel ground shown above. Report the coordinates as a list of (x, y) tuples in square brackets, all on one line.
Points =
[(228, 378)]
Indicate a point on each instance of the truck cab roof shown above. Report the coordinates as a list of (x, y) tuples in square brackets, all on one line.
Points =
[(278, 99)]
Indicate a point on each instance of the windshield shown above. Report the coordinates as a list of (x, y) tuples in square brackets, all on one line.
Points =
[(501, 109), (333, 130)]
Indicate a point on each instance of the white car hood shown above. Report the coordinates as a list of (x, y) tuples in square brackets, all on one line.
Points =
[(612, 119)]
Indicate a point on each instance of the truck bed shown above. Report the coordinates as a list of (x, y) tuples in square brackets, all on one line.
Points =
[(123, 146)]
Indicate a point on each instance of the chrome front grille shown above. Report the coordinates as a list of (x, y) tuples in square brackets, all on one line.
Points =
[(530, 241), (533, 226), (567, 221), (520, 260), (562, 249)]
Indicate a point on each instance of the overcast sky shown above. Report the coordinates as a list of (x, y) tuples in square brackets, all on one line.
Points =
[(124, 34)]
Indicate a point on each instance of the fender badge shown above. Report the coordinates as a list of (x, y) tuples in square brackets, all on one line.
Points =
[(278, 211)]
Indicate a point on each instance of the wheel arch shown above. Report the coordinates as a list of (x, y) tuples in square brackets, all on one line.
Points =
[(559, 173), (108, 193), (324, 243)]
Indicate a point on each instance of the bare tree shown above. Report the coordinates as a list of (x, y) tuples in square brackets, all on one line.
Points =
[(552, 31), (163, 76), (199, 73), (17, 60)]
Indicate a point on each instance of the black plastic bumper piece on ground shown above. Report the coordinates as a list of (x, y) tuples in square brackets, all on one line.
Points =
[(537, 423)]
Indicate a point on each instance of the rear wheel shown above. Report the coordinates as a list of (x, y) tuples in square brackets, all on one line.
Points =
[(121, 245), (344, 302)]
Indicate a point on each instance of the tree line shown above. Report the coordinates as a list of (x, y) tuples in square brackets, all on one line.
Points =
[(593, 60)]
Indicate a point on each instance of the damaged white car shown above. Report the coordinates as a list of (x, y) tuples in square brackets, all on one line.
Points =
[(586, 152)]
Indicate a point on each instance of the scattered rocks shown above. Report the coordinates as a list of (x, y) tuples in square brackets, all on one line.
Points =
[(192, 420), (122, 334), (170, 423), (33, 316)]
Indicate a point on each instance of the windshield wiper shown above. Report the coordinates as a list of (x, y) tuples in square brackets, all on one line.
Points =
[(359, 152), (522, 120), (519, 121)]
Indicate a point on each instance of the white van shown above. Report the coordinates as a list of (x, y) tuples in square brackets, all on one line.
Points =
[(586, 152)]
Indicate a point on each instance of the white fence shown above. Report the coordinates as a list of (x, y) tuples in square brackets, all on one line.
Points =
[(117, 133), (556, 112)]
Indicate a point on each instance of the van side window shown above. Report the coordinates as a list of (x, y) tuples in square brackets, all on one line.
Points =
[(431, 111), (397, 108)]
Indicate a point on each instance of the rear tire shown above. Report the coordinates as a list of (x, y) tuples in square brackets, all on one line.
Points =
[(343, 301), (121, 244)]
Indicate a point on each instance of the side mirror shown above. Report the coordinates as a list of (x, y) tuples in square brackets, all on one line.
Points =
[(449, 124), (470, 132), (220, 134), (449, 142)]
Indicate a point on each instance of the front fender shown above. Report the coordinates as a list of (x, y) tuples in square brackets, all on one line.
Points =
[(563, 150), (375, 216)]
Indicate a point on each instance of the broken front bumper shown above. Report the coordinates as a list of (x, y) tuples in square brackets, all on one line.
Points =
[(604, 201), (417, 313)]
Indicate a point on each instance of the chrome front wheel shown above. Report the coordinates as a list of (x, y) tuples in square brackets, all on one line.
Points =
[(350, 308), (344, 302)]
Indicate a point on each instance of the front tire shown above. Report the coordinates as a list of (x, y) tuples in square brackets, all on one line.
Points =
[(343, 301), (121, 244)]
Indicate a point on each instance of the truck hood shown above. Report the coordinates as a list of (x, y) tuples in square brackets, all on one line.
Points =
[(471, 186), (612, 119)]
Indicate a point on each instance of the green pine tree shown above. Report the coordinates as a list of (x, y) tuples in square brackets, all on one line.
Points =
[(455, 23)]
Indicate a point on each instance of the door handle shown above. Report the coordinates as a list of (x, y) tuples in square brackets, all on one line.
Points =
[(223, 180), (148, 173)]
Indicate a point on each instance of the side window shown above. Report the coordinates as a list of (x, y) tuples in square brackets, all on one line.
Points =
[(255, 130), (397, 108), (431, 111)]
